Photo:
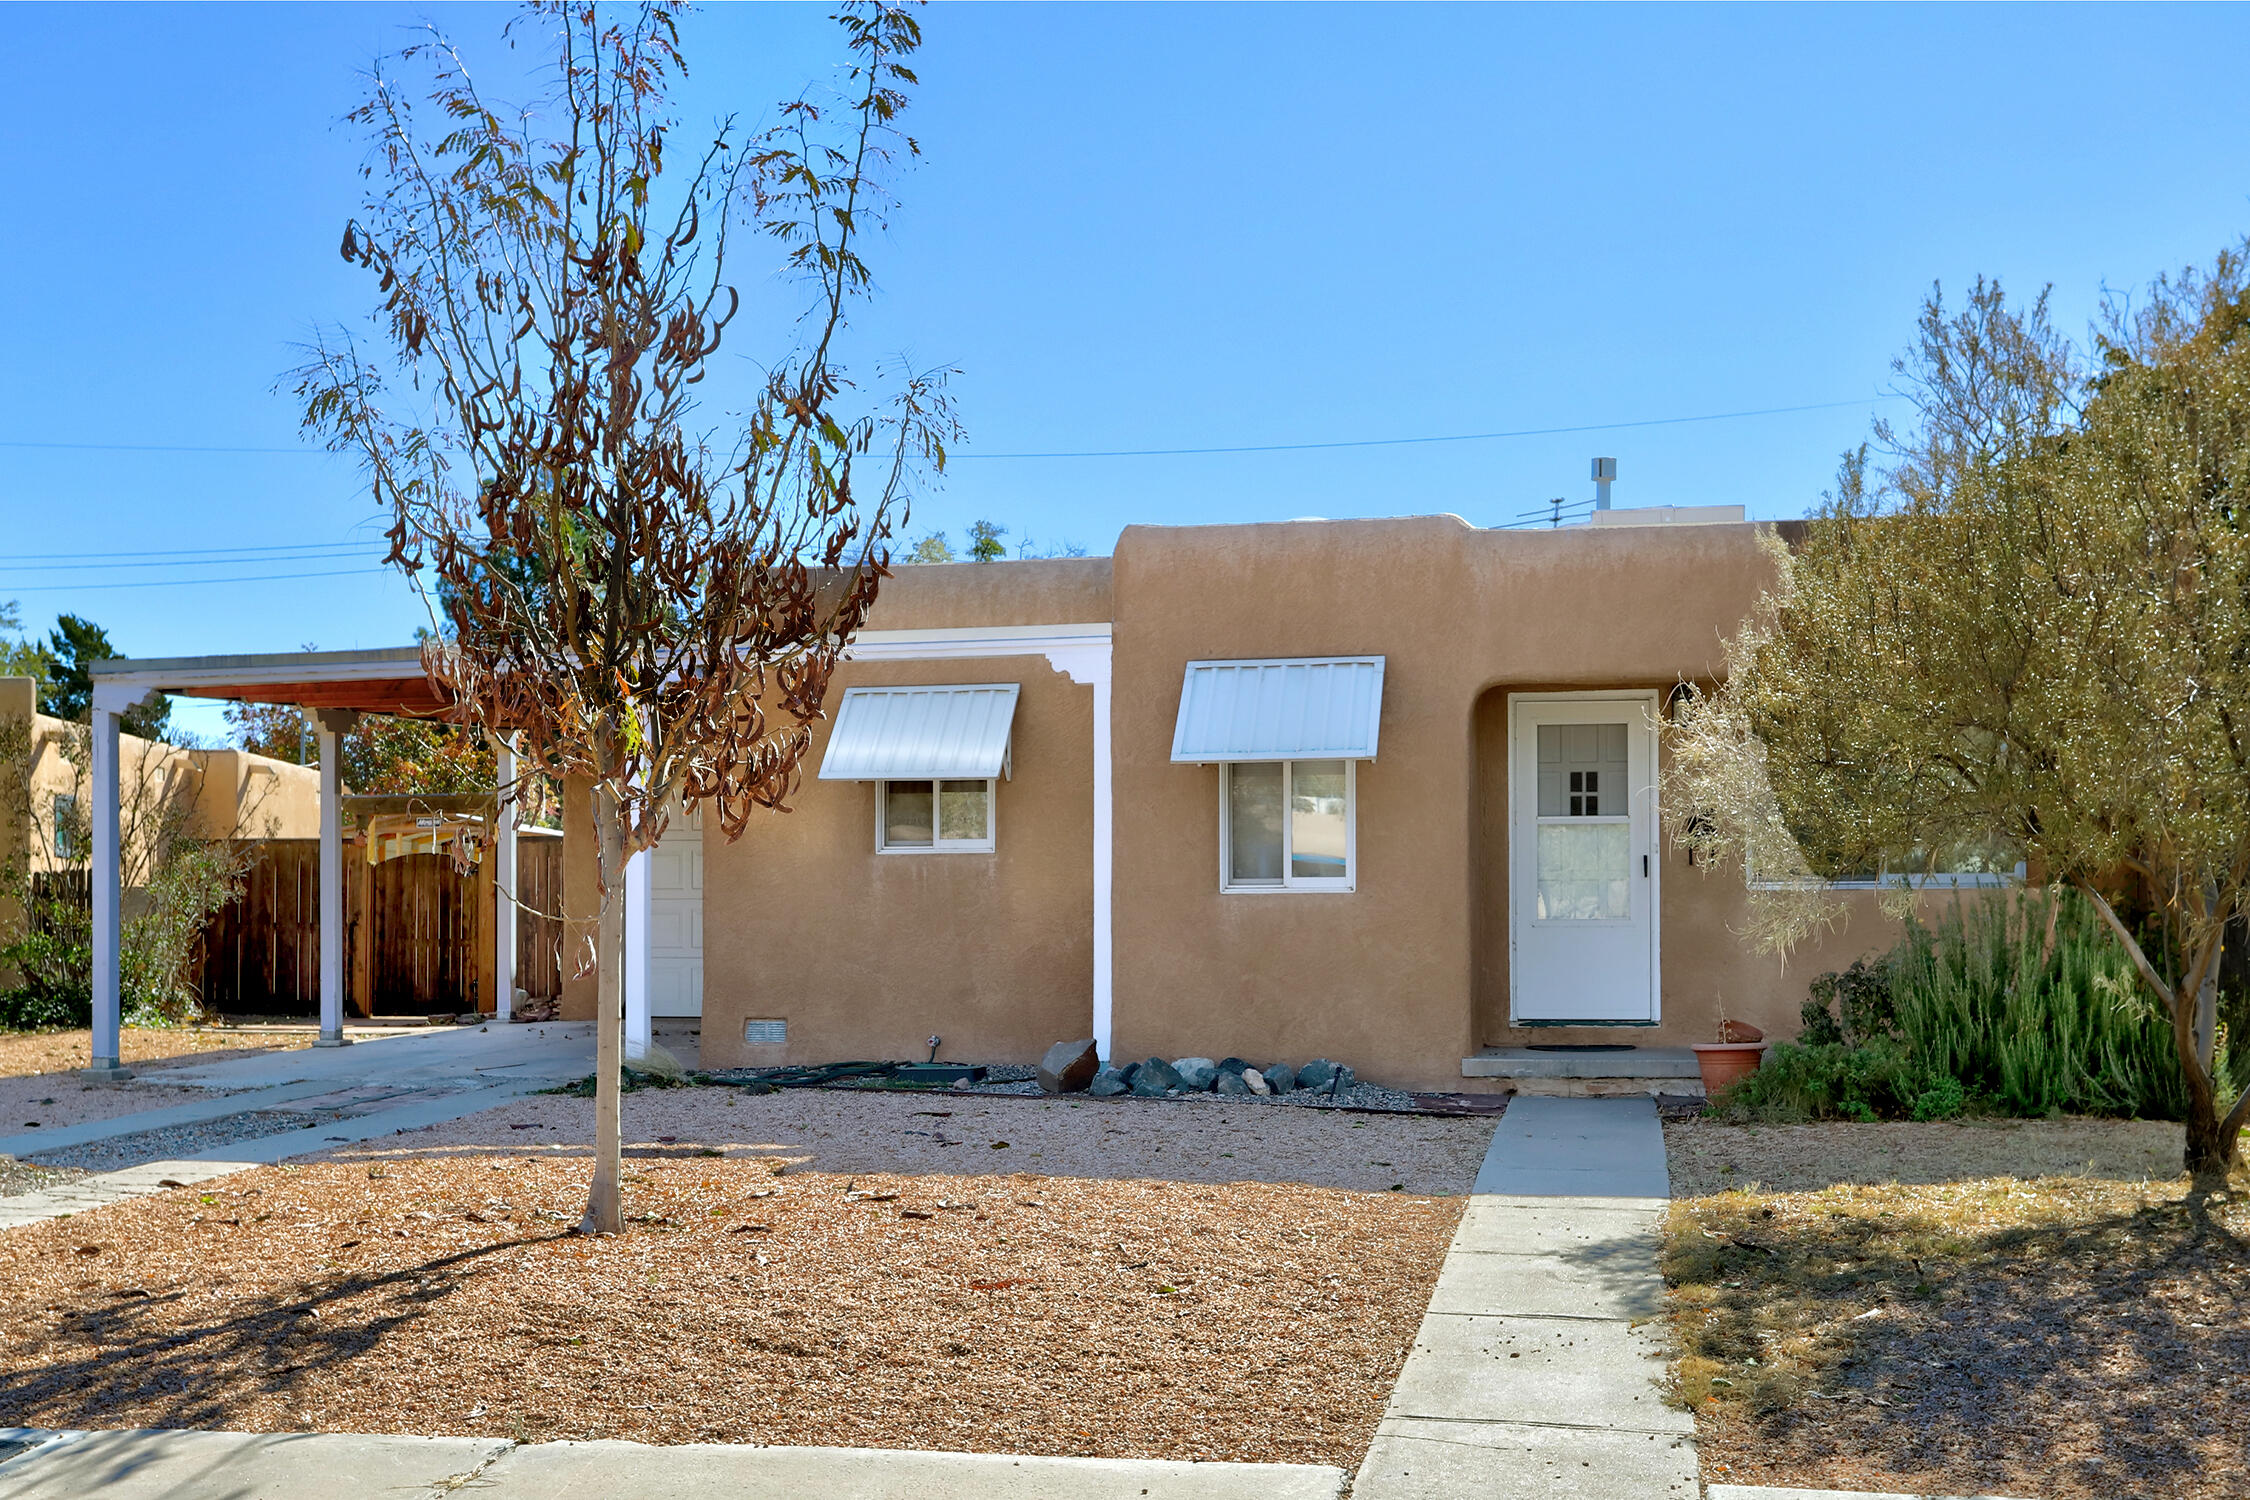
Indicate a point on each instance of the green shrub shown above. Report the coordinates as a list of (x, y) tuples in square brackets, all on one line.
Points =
[(1944, 1099), (2021, 1003), (52, 956), (1874, 1079), (2029, 1002)]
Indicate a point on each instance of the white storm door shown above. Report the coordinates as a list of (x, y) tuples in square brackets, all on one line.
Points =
[(1582, 860), (675, 922)]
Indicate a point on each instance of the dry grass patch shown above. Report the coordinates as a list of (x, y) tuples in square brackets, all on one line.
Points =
[(1023, 1313), (2060, 1336)]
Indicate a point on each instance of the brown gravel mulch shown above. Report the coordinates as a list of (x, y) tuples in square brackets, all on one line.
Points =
[(443, 1294), (2073, 1338)]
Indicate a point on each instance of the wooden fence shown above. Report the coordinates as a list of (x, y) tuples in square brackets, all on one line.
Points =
[(414, 933)]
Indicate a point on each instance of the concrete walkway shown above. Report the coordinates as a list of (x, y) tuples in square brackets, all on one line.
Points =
[(1535, 1371), (164, 1465), (406, 1082)]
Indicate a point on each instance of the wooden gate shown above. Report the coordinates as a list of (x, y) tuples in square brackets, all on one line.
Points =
[(414, 932)]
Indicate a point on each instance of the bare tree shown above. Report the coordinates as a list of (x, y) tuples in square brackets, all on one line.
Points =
[(651, 605)]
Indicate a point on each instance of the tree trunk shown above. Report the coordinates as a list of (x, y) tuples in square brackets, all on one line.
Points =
[(2212, 1142), (2213, 1146), (605, 1203)]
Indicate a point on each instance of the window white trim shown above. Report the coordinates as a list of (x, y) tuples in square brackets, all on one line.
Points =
[(1290, 881), (938, 845)]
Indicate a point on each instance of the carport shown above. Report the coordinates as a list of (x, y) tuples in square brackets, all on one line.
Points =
[(334, 688)]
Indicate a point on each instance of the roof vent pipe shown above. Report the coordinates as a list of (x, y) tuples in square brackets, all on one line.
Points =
[(1605, 473)]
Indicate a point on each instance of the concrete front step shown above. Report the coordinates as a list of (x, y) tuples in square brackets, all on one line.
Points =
[(1627, 1070)]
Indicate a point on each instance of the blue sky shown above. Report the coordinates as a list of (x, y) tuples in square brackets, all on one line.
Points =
[(1136, 227)]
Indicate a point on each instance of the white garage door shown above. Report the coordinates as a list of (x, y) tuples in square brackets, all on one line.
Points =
[(675, 894)]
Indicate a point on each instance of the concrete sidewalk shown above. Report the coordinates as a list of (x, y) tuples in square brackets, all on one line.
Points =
[(1535, 1371), (160, 1465)]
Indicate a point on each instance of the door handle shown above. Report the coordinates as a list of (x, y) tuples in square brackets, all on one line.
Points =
[(1644, 867)]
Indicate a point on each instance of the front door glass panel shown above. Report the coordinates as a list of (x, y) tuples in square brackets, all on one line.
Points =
[(1585, 837)]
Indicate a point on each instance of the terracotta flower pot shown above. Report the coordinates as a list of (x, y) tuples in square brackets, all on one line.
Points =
[(1724, 1064)]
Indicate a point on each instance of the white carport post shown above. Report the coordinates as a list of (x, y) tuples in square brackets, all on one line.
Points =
[(334, 724), (504, 884), (107, 876), (637, 1031)]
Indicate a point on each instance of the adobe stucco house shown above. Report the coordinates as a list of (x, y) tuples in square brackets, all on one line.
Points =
[(1459, 722), (1376, 790)]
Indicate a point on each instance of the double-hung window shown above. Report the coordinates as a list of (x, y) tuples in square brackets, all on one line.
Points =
[(934, 817), (1287, 734), (936, 755), (1286, 826)]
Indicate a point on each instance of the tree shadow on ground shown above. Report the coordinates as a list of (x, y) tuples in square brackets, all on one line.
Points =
[(2098, 1354), (123, 1352)]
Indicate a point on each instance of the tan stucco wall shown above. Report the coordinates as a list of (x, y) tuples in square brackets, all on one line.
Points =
[(867, 954), (1046, 591), (1407, 974), (226, 793), (242, 795)]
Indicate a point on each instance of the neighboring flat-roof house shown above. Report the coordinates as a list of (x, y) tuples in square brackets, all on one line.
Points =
[(1377, 790)]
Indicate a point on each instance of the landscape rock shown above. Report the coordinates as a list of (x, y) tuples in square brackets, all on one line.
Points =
[(1234, 1065), (1280, 1077), (1196, 1073), (1155, 1078), (1319, 1074), (1110, 1082), (1235, 1084), (1069, 1066), (1257, 1082)]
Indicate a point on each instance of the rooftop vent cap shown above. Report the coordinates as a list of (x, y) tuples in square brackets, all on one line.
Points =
[(1605, 474)]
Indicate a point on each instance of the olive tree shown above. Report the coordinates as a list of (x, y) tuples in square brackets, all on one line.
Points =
[(2023, 624), (643, 590)]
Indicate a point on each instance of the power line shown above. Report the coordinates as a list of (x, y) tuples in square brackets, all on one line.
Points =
[(173, 583), (179, 551), (1454, 437), (155, 448), (1451, 437), (189, 562)]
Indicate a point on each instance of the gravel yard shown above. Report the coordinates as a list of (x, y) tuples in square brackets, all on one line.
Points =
[(1138, 1279), (36, 1102), (29, 1177), (2025, 1308), (1192, 1139), (171, 1141), (1708, 1156)]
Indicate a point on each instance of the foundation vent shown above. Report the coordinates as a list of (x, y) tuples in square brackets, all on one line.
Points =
[(765, 1033)]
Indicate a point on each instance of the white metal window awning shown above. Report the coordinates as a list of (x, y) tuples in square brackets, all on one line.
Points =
[(1304, 708), (922, 733)]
